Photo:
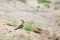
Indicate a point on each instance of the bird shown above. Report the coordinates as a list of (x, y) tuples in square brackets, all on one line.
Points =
[(21, 25)]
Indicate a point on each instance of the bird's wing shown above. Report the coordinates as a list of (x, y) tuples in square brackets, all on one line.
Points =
[(21, 26)]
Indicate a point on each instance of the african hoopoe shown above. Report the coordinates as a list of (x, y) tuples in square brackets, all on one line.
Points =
[(21, 25)]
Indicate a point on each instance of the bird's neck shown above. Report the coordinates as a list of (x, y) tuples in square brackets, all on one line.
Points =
[(21, 23)]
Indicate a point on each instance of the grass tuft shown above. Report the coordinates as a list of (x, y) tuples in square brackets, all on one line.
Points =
[(29, 26)]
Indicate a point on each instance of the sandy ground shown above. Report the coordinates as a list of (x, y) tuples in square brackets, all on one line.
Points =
[(46, 18)]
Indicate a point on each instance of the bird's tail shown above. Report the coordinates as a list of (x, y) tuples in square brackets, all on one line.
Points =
[(15, 29)]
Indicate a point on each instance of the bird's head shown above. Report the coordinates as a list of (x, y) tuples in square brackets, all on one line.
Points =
[(22, 21)]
